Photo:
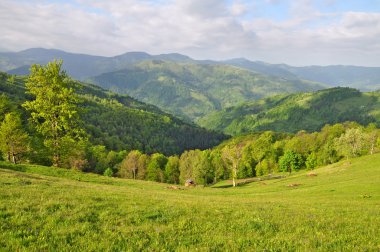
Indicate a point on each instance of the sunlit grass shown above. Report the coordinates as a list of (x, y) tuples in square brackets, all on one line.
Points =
[(43, 208)]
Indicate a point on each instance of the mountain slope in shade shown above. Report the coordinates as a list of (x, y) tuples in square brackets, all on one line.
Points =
[(195, 90), (122, 123), (295, 112)]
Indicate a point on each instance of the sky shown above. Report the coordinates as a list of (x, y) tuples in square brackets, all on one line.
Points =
[(298, 32)]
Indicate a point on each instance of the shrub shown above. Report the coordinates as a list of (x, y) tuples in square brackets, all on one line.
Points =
[(108, 172)]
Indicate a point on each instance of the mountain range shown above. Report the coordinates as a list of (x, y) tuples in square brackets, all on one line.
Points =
[(193, 89), (82, 66)]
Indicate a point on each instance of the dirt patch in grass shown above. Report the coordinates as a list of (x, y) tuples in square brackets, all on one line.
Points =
[(294, 185)]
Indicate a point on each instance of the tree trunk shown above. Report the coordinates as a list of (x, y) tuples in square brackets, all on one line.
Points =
[(9, 156), (13, 153), (234, 175)]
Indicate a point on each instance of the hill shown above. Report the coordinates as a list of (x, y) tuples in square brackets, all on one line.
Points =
[(335, 210), (295, 112), (122, 123), (363, 78), (79, 66), (194, 90)]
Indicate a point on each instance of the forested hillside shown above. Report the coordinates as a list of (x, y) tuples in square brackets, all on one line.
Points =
[(118, 122), (295, 112), (195, 90)]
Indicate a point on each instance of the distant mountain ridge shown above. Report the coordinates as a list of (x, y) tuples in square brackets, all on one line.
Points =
[(79, 66), (82, 66)]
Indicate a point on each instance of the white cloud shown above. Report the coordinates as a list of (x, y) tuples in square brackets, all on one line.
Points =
[(200, 28)]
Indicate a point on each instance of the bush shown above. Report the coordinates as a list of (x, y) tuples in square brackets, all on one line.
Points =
[(108, 172)]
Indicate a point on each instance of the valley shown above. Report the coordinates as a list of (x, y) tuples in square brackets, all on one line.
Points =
[(276, 162)]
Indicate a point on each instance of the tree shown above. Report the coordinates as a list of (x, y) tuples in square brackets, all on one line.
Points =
[(219, 167), (156, 166), (186, 165), (97, 158), (129, 166), (372, 135), (311, 161), (351, 143), (172, 170), (290, 161), (13, 139), (232, 156), (203, 172), (4, 106), (142, 165), (54, 107)]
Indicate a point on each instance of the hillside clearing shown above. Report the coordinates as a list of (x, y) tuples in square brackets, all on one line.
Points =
[(43, 208)]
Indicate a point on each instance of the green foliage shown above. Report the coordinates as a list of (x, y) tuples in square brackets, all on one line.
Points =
[(108, 172), (52, 209), (118, 122), (130, 165), (54, 107), (195, 90), (351, 143), (311, 161), (203, 172), (172, 170), (290, 161), (296, 112), (156, 168), (14, 141)]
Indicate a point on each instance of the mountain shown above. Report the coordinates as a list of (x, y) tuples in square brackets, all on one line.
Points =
[(263, 68), (363, 78), (295, 112), (82, 66), (194, 90), (122, 123), (79, 66)]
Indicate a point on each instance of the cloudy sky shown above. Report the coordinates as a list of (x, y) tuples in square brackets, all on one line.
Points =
[(298, 32)]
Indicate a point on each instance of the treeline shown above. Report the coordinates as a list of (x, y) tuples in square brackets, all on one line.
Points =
[(255, 155)]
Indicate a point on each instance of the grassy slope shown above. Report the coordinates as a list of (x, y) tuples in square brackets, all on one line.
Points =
[(43, 208)]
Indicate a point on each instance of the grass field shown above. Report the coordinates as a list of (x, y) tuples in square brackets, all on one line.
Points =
[(49, 209)]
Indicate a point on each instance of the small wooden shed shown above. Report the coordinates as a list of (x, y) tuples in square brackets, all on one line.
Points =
[(189, 182)]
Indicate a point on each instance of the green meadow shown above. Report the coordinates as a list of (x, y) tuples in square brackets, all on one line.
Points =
[(54, 209)]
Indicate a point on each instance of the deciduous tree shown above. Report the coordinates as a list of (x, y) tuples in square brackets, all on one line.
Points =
[(54, 106), (13, 139)]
